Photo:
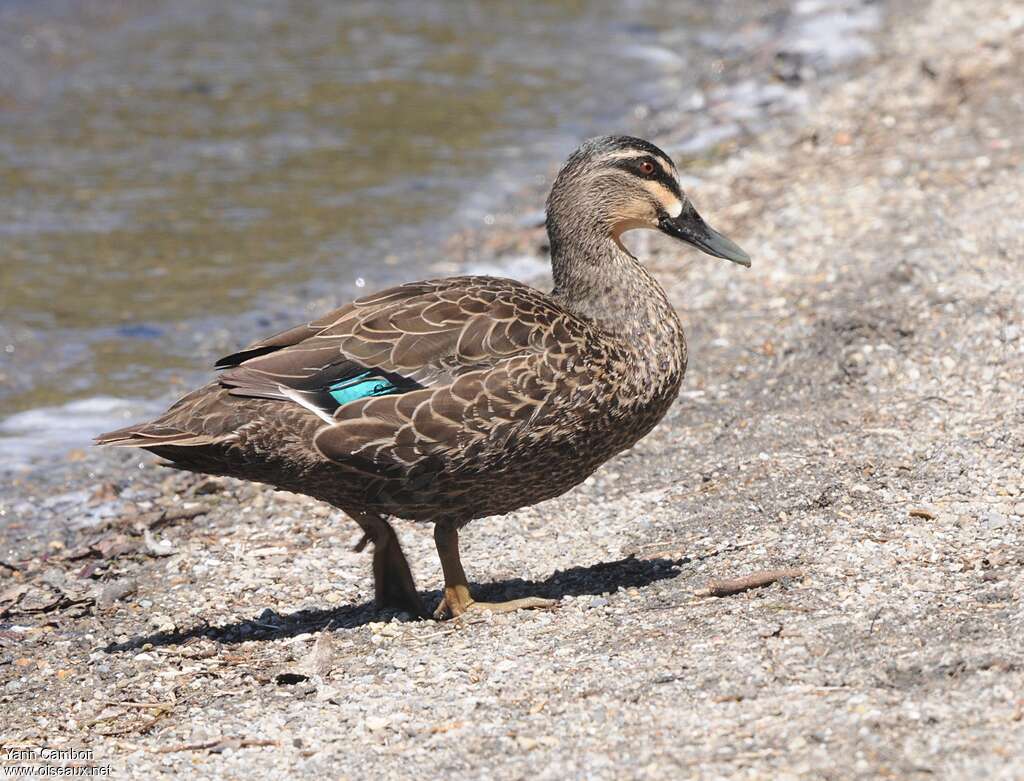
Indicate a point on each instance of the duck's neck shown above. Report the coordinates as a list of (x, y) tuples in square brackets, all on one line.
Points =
[(602, 282)]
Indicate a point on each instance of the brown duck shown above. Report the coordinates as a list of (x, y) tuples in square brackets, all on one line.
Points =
[(460, 398)]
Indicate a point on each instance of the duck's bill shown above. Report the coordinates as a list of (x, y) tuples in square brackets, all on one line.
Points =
[(691, 228)]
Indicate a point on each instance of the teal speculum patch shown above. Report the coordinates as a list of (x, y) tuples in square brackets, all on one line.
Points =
[(360, 387)]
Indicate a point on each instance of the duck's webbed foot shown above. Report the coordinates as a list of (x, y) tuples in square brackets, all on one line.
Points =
[(457, 600), (392, 579)]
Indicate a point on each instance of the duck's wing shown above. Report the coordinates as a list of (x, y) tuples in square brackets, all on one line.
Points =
[(420, 335), (419, 368)]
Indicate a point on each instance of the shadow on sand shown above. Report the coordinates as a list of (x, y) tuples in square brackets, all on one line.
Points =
[(577, 581)]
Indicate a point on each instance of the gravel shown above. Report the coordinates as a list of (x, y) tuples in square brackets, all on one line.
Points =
[(853, 411)]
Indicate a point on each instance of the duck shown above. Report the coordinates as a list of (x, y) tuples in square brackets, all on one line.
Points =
[(448, 400)]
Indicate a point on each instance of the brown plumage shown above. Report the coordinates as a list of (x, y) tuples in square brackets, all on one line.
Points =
[(453, 399)]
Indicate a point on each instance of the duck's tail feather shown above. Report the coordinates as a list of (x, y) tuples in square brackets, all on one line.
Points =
[(153, 435), (197, 419)]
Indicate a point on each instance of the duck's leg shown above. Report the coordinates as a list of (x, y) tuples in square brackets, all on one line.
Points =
[(392, 579), (457, 599)]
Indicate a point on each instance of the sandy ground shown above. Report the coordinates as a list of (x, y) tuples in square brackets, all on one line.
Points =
[(853, 410)]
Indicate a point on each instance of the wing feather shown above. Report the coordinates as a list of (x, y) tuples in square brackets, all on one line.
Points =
[(471, 359), (429, 332)]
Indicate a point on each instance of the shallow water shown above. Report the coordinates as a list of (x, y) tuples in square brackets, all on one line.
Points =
[(172, 169)]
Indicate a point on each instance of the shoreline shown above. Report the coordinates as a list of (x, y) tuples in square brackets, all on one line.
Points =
[(850, 410)]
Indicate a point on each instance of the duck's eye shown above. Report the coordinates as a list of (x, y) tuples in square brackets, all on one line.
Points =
[(647, 168)]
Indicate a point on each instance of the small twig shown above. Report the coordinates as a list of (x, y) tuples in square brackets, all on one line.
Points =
[(725, 588), (129, 704), (682, 552), (217, 744), (736, 546), (173, 515), (99, 719), (137, 728), (262, 625), (874, 618), (162, 709)]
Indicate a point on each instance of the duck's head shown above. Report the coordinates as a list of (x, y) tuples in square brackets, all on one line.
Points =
[(613, 184)]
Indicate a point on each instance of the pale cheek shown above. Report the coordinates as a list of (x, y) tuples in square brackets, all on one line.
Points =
[(674, 209)]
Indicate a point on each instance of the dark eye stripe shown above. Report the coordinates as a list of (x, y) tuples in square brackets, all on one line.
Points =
[(665, 165), (659, 175)]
